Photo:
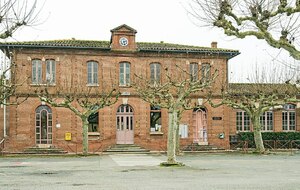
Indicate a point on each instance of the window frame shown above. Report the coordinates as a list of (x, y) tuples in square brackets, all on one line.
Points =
[(205, 72), (36, 71), (194, 71), (153, 127), (124, 74), (243, 124), (155, 73), (92, 73), (288, 116), (267, 121), (50, 71)]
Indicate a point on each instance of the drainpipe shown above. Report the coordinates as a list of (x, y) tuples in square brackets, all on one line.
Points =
[(4, 101)]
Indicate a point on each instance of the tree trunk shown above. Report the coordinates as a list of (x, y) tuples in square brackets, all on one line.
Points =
[(85, 141), (172, 138), (259, 144)]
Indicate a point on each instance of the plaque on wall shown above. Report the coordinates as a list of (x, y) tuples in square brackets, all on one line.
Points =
[(217, 118)]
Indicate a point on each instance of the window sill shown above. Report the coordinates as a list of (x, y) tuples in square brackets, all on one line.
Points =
[(156, 133), (93, 135), (92, 85), (53, 84)]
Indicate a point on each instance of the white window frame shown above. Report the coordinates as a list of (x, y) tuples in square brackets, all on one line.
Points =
[(194, 71), (289, 117), (50, 71), (155, 73), (124, 78), (267, 121), (243, 122), (92, 72), (37, 71)]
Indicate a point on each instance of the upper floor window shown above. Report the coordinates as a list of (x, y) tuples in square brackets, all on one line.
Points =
[(205, 72), (194, 68), (124, 74), (50, 71), (155, 73), (266, 121), (289, 117), (37, 71), (242, 121), (42, 74), (92, 72)]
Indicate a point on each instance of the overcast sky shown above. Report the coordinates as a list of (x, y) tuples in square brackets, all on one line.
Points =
[(154, 20)]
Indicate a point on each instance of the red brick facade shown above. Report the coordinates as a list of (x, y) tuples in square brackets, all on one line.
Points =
[(71, 63)]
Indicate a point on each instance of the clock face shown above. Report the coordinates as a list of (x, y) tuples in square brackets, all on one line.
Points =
[(123, 41)]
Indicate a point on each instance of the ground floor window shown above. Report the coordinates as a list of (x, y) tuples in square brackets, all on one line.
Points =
[(93, 122), (155, 118), (289, 117), (266, 121), (242, 121)]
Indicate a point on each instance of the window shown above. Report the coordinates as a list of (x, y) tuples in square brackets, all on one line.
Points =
[(266, 121), (242, 121), (92, 74), (36, 71), (155, 73), (155, 118), (124, 74), (289, 117), (205, 72), (93, 122), (50, 71), (194, 68), (42, 74)]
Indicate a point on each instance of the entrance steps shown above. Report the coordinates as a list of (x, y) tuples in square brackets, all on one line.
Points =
[(194, 147), (126, 149), (44, 150)]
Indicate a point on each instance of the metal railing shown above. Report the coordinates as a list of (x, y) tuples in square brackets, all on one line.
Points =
[(269, 144)]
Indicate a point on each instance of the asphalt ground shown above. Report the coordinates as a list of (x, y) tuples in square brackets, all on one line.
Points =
[(226, 171)]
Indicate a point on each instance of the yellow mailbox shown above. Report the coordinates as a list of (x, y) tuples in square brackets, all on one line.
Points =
[(68, 136)]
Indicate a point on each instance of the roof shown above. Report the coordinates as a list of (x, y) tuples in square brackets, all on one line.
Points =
[(124, 26), (266, 88), (105, 45)]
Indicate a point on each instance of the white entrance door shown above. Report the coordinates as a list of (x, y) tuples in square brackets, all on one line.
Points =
[(43, 125), (125, 133), (200, 127)]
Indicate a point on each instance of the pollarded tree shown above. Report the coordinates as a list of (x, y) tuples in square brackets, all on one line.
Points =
[(82, 100), (174, 92), (275, 21), (255, 99)]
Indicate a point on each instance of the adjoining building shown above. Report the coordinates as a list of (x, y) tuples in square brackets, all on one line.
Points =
[(100, 64)]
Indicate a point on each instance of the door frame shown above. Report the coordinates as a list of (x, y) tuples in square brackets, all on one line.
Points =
[(39, 129), (200, 126), (125, 124)]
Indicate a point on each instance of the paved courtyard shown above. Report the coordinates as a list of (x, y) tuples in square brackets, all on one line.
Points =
[(134, 172)]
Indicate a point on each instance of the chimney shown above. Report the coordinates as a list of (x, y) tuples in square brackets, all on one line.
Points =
[(214, 45)]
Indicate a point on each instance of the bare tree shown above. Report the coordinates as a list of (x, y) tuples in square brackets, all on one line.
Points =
[(275, 21), (15, 14), (175, 92), (82, 100)]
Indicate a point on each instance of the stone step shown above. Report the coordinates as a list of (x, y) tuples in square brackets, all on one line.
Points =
[(126, 149), (52, 150)]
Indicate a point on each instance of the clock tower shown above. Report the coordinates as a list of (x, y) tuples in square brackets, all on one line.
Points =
[(123, 38)]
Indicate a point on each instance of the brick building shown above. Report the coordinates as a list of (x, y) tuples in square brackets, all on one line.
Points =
[(99, 64)]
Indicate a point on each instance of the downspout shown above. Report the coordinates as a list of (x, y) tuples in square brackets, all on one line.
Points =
[(4, 100)]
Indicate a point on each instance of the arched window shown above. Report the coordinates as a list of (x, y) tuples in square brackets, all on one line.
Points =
[(43, 125), (92, 72), (155, 73), (124, 77), (289, 117)]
